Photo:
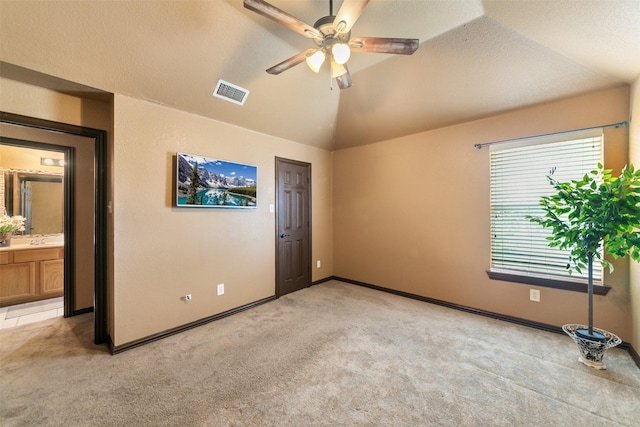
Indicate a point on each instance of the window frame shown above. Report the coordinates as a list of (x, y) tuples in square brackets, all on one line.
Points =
[(564, 285), (502, 270)]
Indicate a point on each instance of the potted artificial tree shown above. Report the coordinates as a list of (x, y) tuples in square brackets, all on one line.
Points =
[(597, 210)]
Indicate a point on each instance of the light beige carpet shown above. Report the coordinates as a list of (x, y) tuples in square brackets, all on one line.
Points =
[(330, 355)]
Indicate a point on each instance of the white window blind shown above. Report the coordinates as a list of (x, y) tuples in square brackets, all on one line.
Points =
[(519, 172)]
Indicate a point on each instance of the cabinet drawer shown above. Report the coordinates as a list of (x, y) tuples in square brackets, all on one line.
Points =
[(35, 255)]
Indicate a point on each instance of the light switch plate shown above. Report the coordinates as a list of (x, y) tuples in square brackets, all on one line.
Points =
[(534, 295)]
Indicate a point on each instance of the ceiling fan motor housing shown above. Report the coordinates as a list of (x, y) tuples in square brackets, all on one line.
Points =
[(325, 26)]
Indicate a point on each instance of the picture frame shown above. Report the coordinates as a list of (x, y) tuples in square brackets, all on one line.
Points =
[(220, 183)]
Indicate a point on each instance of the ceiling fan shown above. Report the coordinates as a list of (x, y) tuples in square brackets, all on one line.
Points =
[(332, 36)]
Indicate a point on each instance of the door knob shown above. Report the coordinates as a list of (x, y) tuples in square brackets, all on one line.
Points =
[(282, 236)]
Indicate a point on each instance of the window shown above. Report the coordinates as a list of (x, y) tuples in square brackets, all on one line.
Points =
[(519, 172)]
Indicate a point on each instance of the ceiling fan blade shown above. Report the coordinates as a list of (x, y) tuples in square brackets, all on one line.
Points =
[(344, 81), (267, 10), (348, 14), (384, 45), (291, 62)]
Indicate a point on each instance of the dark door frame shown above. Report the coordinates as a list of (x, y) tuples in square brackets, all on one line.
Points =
[(277, 230), (100, 233)]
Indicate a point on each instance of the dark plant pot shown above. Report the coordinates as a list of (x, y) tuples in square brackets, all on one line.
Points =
[(5, 240), (592, 347)]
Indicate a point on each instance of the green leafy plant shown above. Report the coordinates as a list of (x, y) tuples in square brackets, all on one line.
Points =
[(597, 210), (11, 224)]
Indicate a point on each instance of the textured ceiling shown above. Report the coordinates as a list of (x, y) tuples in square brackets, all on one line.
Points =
[(476, 58)]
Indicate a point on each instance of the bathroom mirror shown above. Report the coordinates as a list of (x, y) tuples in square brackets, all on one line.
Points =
[(32, 185), (38, 198)]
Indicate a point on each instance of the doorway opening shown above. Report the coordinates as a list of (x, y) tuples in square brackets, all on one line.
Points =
[(32, 185), (98, 211)]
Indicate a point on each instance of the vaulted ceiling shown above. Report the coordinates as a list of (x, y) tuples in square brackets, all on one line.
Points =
[(476, 58)]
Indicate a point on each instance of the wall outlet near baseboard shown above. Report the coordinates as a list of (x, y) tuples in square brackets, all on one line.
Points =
[(318, 264), (534, 295), (221, 289), (187, 297)]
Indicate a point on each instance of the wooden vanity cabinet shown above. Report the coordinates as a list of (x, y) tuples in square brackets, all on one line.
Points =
[(31, 275)]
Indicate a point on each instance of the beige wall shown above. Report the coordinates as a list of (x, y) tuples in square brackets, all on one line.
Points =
[(21, 158), (380, 219), (162, 252), (28, 100), (634, 158), (412, 214), (158, 253)]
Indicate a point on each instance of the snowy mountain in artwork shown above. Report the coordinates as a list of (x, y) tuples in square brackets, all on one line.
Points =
[(219, 183)]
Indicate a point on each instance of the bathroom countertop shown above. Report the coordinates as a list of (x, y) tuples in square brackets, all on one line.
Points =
[(25, 246)]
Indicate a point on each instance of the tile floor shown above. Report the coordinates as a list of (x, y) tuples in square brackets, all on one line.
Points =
[(23, 314)]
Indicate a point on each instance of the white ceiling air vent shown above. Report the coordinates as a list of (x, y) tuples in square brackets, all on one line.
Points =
[(230, 92)]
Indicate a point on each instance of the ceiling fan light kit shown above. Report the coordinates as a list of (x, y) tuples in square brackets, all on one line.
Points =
[(332, 36), (315, 60), (337, 70), (340, 53)]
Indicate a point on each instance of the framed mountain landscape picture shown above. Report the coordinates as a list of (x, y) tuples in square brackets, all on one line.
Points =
[(202, 182)]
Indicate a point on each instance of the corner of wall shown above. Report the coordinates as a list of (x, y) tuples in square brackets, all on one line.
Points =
[(634, 158)]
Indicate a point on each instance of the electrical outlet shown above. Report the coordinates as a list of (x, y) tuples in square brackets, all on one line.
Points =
[(534, 295), (187, 297), (318, 264), (221, 289)]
